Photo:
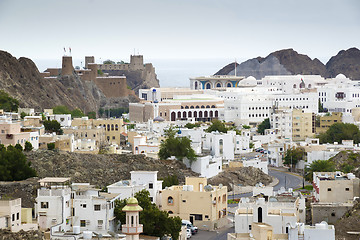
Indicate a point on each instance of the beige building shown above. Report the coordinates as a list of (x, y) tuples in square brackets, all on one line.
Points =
[(259, 231), (328, 120), (10, 214), (10, 134), (204, 205), (113, 127), (97, 134), (303, 125)]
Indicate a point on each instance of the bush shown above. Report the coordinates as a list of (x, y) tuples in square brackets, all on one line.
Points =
[(18, 147), (51, 146), (28, 146), (8, 103)]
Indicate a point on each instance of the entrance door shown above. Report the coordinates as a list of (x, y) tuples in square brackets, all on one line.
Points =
[(259, 214), (192, 219)]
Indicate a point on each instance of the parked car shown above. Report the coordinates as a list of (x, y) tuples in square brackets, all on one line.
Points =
[(189, 225), (188, 233)]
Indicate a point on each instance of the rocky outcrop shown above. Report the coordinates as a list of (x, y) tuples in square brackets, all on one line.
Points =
[(26, 190), (21, 235), (246, 176), (346, 62), (289, 62), (350, 222)]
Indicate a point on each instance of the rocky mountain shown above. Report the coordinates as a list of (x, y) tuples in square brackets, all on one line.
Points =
[(346, 62), (290, 62)]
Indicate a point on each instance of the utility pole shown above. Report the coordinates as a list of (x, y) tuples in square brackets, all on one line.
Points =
[(285, 182)]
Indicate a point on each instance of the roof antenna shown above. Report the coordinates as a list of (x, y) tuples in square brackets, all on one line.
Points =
[(235, 67)]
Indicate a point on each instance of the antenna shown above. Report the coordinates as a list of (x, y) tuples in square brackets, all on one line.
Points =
[(235, 67)]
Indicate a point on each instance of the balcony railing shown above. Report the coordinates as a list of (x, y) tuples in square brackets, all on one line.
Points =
[(129, 230)]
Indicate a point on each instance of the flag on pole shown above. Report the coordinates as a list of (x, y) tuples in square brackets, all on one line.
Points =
[(70, 50)]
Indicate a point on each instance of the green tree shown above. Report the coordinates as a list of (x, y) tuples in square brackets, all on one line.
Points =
[(170, 180), (294, 155), (246, 127), (77, 113), (155, 222), (108, 62), (192, 125), (319, 166), (264, 125), (28, 146), (217, 125), (14, 165), (18, 147), (251, 145), (23, 115), (340, 131), (91, 115), (61, 109), (179, 147), (101, 112), (321, 107), (51, 146), (52, 126), (8, 103)]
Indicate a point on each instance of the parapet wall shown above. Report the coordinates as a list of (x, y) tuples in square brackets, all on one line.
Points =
[(113, 86)]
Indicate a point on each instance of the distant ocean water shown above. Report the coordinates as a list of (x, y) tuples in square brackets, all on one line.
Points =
[(170, 72)]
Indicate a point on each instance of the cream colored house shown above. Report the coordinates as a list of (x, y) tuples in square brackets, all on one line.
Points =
[(204, 205), (10, 134)]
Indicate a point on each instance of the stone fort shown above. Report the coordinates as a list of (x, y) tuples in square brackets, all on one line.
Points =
[(111, 86)]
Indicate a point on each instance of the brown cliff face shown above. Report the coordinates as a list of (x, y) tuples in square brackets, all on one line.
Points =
[(22, 80), (288, 61), (346, 62)]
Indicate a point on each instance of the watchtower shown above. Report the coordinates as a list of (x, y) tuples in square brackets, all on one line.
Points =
[(89, 59), (132, 228), (67, 66), (136, 62)]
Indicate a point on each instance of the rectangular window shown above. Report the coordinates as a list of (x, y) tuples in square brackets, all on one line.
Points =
[(73, 212), (17, 216), (44, 205), (84, 205), (151, 199), (249, 227), (329, 189), (97, 207), (197, 216), (151, 185), (82, 223), (13, 217), (100, 222), (347, 189)]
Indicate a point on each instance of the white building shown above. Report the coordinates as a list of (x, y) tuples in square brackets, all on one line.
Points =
[(280, 212), (63, 119), (139, 180), (256, 163), (10, 214), (220, 144), (143, 146), (207, 166), (34, 139), (281, 122)]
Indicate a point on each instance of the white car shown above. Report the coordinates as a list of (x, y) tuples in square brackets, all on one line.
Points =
[(188, 233)]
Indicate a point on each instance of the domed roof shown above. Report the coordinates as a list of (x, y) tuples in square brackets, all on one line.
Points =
[(248, 82), (132, 200), (132, 205), (159, 119), (340, 76)]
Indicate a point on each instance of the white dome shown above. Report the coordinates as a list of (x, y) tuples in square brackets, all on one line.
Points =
[(248, 82), (340, 76)]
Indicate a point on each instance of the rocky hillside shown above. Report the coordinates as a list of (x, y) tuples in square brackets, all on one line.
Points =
[(347, 160), (289, 62), (103, 170), (350, 222), (22, 80), (21, 235)]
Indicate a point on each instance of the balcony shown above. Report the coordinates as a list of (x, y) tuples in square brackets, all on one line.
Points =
[(132, 230)]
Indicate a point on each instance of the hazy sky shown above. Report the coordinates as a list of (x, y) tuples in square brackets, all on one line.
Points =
[(39, 29)]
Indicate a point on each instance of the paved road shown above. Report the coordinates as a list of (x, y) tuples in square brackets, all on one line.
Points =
[(221, 234), (291, 180)]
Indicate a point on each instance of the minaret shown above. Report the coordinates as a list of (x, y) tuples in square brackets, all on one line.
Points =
[(132, 228)]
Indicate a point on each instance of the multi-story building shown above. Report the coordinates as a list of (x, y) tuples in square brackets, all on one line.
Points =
[(303, 125), (139, 180), (10, 214), (282, 122), (10, 133), (202, 204), (334, 193), (327, 120), (216, 81)]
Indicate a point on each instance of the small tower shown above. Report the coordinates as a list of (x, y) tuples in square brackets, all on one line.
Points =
[(132, 228), (67, 67)]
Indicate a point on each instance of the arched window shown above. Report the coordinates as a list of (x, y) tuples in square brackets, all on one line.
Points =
[(202, 106), (173, 116), (200, 114), (294, 86), (216, 114), (207, 106), (196, 85), (182, 107), (205, 114), (211, 114), (170, 200), (170, 212), (116, 127), (195, 114), (112, 127), (179, 115), (309, 86), (228, 85), (189, 114), (191, 107), (136, 148), (218, 85), (108, 127), (212, 106), (184, 114), (186, 107), (208, 85), (197, 106)]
